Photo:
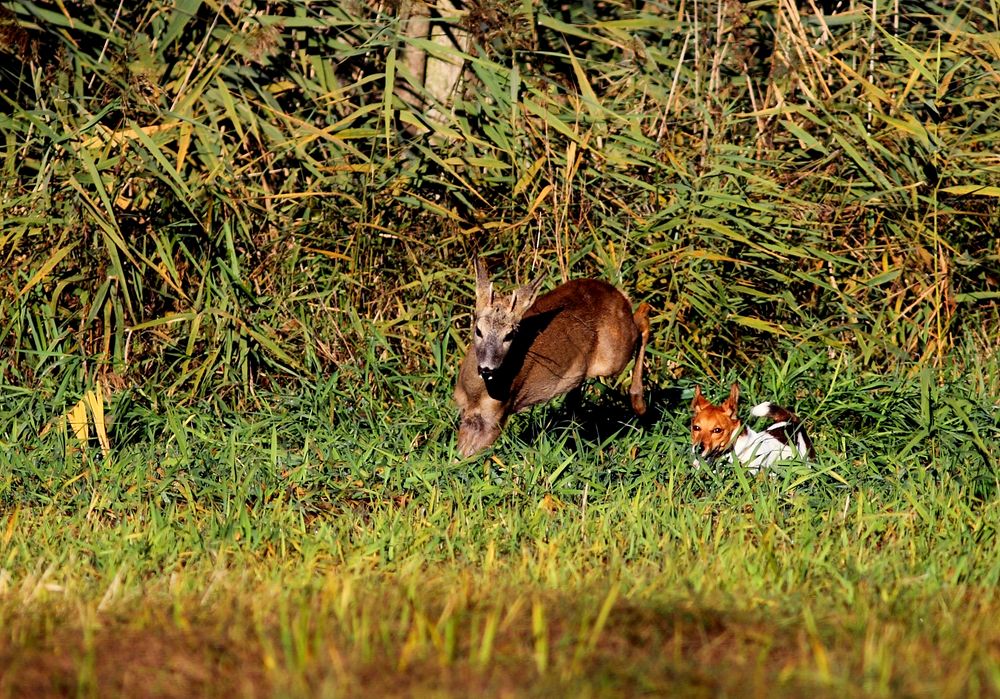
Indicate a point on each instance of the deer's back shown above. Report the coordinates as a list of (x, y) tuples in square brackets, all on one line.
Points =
[(580, 330)]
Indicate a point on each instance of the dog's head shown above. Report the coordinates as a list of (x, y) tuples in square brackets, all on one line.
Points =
[(714, 427)]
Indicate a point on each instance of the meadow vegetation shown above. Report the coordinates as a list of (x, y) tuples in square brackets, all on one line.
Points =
[(236, 282)]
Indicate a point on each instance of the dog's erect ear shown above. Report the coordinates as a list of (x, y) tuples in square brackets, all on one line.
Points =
[(730, 403), (699, 402)]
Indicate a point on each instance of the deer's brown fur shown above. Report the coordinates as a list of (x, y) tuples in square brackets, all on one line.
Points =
[(528, 350)]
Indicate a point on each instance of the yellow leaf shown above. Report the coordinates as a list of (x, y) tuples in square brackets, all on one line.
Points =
[(78, 421), (589, 96), (759, 324), (95, 401), (975, 189), (44, 270), (11, 526), (528, 176), (546, 190), (550, 504)]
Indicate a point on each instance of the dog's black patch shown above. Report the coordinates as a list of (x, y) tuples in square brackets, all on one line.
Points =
[(788, 431)]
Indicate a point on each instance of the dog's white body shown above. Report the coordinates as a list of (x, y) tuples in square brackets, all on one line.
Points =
[(757, 450)]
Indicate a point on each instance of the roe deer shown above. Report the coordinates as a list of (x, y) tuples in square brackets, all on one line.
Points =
[(526, 351)]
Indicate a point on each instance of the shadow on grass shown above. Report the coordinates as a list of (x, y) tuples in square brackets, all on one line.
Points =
[(595, 414)]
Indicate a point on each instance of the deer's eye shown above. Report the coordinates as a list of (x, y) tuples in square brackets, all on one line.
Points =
[(479, 333), (509, 336)]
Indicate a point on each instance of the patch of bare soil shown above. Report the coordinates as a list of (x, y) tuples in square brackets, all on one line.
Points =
[(160, 658), (642, 650)]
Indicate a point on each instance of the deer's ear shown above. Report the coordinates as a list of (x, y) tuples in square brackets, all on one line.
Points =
[(700, 402), (730, 404), (526, 295), (484, 287)]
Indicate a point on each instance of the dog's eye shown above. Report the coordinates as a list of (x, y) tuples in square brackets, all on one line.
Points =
[(716, 430), (696, 428)]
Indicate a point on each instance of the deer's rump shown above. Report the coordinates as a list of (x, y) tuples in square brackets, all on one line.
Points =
[(580, 330)]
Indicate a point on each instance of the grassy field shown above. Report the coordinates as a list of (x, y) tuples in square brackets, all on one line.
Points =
[(329, 543), (236, 281)]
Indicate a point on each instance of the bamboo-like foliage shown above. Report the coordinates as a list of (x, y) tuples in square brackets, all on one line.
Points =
[(219, 194)]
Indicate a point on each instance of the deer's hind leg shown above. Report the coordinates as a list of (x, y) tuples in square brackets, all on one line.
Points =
[(641, 319)]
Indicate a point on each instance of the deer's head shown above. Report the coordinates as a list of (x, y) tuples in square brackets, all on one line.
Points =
[(496, 321)]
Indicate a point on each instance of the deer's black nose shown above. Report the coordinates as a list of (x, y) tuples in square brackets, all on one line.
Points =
[(486, 373)]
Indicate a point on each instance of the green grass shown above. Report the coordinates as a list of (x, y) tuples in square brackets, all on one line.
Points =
[(222, 195), (271, 550), (235, 284)]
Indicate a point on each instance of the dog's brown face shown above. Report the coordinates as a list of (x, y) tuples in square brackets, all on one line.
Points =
[(713, 427)]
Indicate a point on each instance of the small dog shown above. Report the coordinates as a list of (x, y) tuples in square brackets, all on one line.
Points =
[(717, 432)]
